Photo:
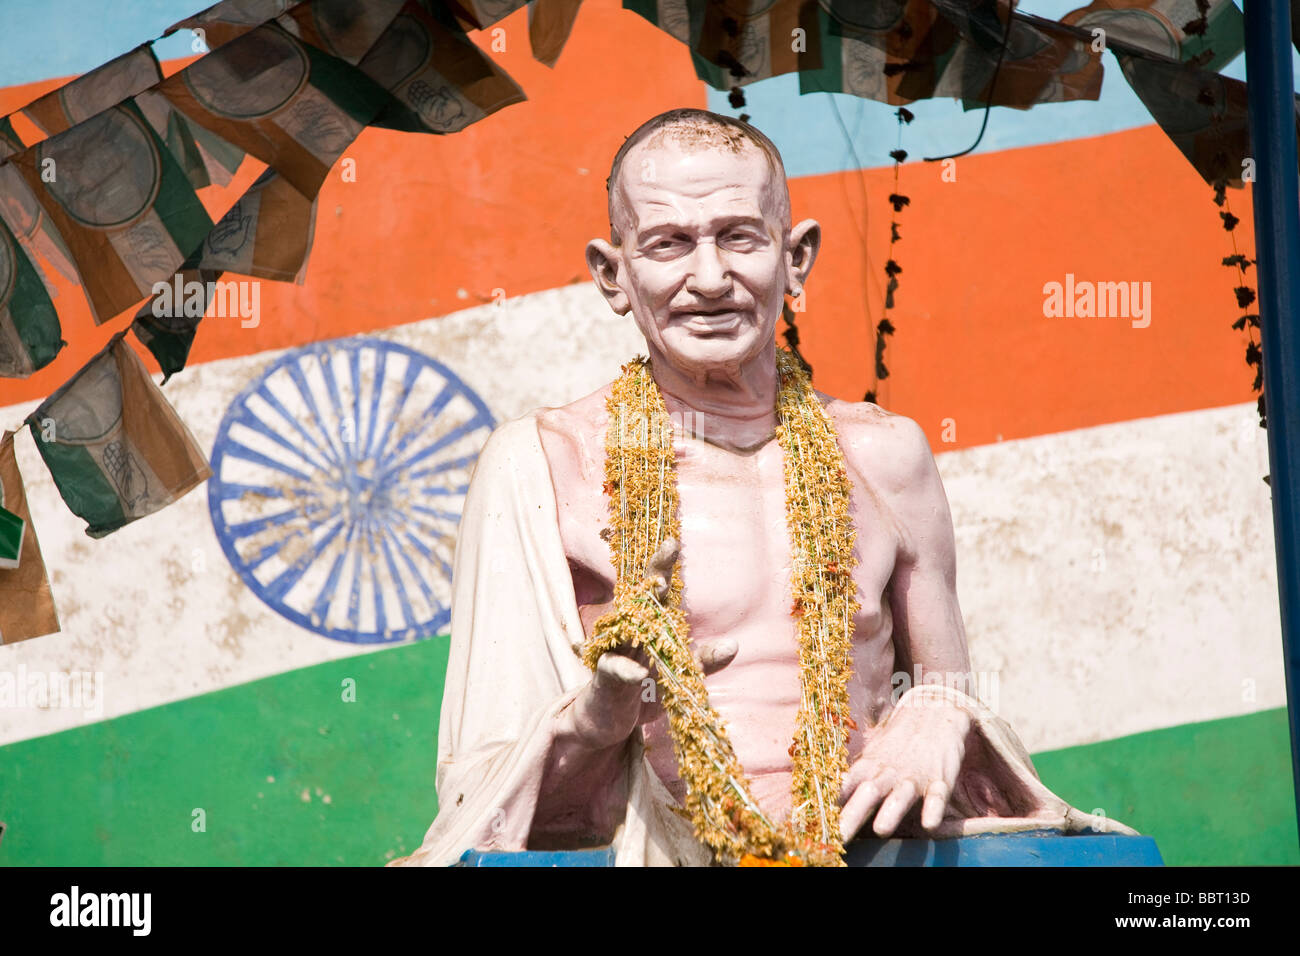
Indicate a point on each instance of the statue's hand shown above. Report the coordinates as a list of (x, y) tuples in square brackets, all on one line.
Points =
[(622, 693), (916, 756)]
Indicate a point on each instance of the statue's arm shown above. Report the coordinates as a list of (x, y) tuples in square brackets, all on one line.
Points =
[(512, 679), (584, 779), (917, 756), (586, 769), (928, 627), (583, 785)]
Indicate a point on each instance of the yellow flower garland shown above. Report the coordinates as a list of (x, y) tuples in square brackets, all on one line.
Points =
[(641, 484)]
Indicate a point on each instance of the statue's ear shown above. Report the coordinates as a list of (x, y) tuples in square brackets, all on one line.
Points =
[(805, 240), (604, 260)]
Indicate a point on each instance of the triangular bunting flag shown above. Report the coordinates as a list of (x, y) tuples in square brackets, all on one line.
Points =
[(11, 538), (26, 603), (549, 24), (117, 450), (121, 203), (96, 91), (9, 141), (294, 107), (443, 82), (29, 325), (225, 21), (267, 234)]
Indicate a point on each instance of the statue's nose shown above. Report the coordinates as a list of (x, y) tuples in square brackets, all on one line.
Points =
[(708, 275)]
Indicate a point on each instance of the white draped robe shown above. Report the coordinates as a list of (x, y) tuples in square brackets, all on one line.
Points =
[(513, 666)]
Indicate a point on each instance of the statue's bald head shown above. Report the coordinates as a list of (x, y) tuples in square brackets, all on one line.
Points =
[(690, 130)]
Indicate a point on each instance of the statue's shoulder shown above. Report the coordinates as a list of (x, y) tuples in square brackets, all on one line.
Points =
[(889, 448), (573, 435), (579, 420)]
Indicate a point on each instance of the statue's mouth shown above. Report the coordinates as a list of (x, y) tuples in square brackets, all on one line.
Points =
[(711, 321)]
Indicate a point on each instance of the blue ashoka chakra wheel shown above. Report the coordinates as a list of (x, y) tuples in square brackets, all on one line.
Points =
[(338, 480)]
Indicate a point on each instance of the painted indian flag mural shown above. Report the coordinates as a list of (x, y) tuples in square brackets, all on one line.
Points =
[(268, 648), (340, 475)]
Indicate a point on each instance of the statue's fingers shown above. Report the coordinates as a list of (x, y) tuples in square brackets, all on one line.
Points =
[(638, 654), (666, 555), (859, 807), (860, 772), (936, 802), (852, 780), (717, 655), (606, 710), (895, 807), (616, 670), (659, 569)]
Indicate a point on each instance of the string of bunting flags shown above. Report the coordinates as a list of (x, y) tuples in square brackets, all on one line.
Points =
[(100, 180), (106, 196)]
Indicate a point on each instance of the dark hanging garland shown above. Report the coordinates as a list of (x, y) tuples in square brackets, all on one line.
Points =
[(1245, 299), (896, 199), (1249, 321)]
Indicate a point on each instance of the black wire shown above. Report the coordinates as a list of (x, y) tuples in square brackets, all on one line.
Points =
[(988, 104)]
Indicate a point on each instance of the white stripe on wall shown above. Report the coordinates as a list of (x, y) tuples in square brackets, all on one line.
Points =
[(1114, 579)]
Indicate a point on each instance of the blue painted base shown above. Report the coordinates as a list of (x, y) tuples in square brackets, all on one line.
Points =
[(1036, 848), (601, 856)]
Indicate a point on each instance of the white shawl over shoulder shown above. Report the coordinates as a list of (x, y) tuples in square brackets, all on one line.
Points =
[(513, 667)]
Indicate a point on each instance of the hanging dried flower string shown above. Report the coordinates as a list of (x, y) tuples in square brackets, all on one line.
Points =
[(1249, 321), (640, 473), (892, 268)]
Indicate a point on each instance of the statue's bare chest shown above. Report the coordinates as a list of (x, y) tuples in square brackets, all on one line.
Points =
[(732, 517), (736, 557)]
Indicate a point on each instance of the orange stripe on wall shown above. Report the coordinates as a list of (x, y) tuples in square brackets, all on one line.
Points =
[(436, 224), (972, 344)]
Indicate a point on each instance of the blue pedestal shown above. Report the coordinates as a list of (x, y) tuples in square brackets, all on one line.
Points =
[(601, 856), (1036, 848)]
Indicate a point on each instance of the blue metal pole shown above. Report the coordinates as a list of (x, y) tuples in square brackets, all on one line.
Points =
[(1271, 92)]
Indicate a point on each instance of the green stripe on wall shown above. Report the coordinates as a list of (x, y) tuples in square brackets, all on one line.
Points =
[(352, 781), (287, 772), (1215, 793)]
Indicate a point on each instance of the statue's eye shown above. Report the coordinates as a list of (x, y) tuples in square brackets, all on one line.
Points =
[(665, 246), (740, 239)]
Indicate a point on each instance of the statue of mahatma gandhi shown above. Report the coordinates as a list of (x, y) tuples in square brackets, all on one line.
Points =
[(537, 750)]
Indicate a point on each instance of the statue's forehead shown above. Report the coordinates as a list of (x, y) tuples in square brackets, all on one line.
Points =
[(663, 181), (695, 168)]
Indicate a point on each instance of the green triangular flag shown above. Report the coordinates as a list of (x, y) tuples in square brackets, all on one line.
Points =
[(12, 529)]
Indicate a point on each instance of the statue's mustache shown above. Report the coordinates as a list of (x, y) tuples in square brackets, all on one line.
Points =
[(708, 308)]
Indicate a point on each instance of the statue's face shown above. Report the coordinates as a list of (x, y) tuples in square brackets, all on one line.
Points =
[(703, 261)]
